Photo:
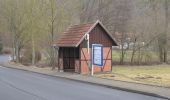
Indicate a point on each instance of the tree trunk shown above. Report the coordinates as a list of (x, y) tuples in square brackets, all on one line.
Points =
[(17, 52), (33, 51), (139, 56), (122, 57), (133, 51), (166, 31), (160, 50), (53, 58), (14, 53), (132, 57), (52, 49)]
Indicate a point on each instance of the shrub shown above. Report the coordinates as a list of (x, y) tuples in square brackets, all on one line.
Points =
[(26, 59), (6, 51)]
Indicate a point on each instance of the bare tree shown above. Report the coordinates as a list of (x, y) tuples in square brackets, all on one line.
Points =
[(14, 16)]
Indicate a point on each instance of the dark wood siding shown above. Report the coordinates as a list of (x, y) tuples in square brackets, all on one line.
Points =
[(69, 55), (98, 36)]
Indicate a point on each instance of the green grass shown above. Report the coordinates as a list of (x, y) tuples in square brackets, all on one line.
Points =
[(151, 74), (155, 75), (147, 56), (116, 55)]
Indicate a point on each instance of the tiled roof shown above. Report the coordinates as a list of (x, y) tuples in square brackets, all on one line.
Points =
[(73, 35)]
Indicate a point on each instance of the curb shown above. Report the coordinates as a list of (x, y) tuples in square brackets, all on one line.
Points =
[(92, 83)]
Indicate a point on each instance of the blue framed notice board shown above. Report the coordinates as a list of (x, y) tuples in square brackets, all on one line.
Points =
[(97, 54)]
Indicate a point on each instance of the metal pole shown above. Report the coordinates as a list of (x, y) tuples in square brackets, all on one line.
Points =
[(92, 69), (87, 37)]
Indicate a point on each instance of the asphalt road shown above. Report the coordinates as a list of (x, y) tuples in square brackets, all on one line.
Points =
[(22, 85), (4, 58)]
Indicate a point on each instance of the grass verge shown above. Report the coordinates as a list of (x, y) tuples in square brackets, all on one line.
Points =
[(154, 75)]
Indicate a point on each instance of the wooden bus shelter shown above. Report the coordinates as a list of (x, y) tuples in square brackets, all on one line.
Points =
[(75, 48)]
